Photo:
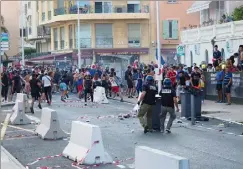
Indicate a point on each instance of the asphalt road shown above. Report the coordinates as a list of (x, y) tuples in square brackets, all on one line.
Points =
[(208, 145)]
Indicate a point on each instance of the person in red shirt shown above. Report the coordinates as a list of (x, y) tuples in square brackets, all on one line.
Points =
[(171, 74)]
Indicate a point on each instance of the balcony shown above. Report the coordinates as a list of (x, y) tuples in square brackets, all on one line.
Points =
[(49, 15), (43, 16), (133, 42), (101, 12), (101, 42), (220, 31)]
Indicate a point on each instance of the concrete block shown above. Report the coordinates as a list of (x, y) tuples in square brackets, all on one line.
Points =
[(18, 116), (158, 159), (86, 145), (49, 127), (23, 98), (99, 95)]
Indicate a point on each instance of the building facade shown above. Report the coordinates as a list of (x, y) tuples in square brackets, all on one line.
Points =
[(173, 18), (11, 22), (199, 41)]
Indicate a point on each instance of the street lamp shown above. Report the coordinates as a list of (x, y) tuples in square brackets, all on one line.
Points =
[(158, 41), (79, 52), (22, 32)]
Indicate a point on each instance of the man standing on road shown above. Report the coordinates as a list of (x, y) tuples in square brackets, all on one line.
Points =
[(148, 100), (88, 87), (47, 82), (168, 100), (35, 90)]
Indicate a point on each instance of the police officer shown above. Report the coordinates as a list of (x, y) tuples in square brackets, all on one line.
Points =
[(88, 87), (168, 100), (147, 99)]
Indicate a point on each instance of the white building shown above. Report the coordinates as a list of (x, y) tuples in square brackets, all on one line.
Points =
[(35, 36), (199, 41)]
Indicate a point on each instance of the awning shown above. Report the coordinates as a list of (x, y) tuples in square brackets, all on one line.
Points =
[(198, 6)]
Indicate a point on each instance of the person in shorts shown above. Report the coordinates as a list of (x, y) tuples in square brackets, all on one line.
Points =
[(219, 79), (115, 85), (63, 89), (35, 90)]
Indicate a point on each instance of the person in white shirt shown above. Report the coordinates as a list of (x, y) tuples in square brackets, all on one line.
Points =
[(47, 83), (114, 85)]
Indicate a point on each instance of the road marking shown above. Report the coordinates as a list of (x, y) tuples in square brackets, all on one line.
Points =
[(5, 125), (15, 127), (121, 166), (18, 138)]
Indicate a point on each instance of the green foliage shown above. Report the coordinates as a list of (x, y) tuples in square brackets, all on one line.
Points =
[(238, 13), (28, 51)]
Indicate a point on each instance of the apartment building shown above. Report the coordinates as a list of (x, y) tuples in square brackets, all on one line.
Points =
[(35, 35), (115, 31), (227, 34), (11, 23), (173, 19)]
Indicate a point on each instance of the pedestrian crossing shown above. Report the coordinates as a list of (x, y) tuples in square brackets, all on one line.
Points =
[(126, 166)]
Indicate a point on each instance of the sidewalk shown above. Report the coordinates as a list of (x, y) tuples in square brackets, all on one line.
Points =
[(221, 111), (8, 161)]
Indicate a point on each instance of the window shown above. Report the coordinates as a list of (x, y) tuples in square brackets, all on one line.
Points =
[(70, 36), (62, 36), (172, 1), (134, 33), (25, 9), (30, 31), (170, 29), (103, 33), (55, 34), (29, 5), (30, 20), (103, 7), (133, 6)]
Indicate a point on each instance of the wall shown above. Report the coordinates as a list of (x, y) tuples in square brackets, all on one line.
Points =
[(10, 12)]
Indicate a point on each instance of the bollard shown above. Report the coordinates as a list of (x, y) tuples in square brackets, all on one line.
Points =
[(193, 109)]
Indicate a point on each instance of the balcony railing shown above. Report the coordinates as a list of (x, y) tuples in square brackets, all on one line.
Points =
[(70, 43), (49, 15), (101, 9), (133, 42), (55, 45), (43, 16), (84, 43), (62, 44), (34, 55), (103, 42)]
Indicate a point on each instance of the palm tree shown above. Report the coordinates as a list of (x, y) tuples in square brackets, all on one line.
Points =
[(4, 30)]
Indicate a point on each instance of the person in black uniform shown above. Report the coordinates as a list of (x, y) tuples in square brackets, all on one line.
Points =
[(168, 100), (35, 90), (88, 87), (148, 100)]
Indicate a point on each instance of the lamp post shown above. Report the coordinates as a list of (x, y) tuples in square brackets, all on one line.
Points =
[(22, 32), (79, 52), (158, 41)]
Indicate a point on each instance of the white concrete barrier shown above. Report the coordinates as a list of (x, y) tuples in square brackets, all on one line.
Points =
[(86, 145), (148, 158), (49, 127), (23, 98), (100, 96), (18, 115)]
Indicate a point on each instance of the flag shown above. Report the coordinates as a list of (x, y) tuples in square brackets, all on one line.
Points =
[(162, 59)]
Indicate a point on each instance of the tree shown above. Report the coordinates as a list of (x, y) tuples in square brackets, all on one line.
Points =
[(238, 13)]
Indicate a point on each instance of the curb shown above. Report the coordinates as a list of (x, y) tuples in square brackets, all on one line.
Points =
[(124, 101), (12, 159), (228, 121)]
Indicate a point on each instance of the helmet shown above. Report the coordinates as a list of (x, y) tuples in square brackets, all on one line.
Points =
[(167, 83), (149, 79)]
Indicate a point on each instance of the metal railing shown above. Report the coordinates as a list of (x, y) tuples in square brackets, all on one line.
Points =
[(101, 9), (43, 16), (103, 42), (55, 45), (70, 43), (84, 43), (34, 55), (134, 42), (62, 44), (49, 15)]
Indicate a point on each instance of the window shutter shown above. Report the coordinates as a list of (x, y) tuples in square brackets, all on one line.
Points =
[(175, 29), (165, 29)]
